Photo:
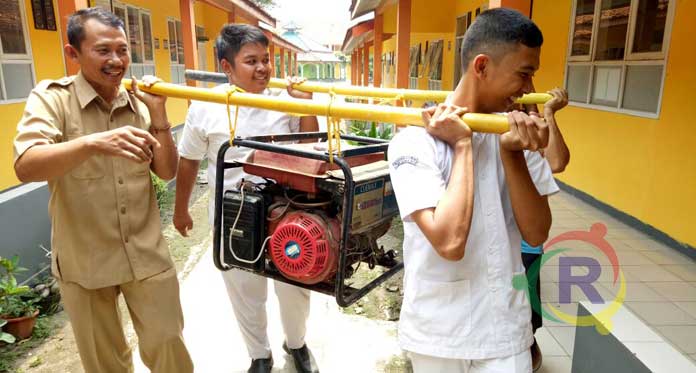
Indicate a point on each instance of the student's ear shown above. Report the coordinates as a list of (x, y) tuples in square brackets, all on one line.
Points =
[(480, 65), (226, 68), (71, 52)]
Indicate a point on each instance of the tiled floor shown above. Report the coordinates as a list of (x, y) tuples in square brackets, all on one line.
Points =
[(660, 282)]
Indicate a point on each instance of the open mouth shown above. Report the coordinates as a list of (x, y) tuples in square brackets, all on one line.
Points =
[(113, 73)]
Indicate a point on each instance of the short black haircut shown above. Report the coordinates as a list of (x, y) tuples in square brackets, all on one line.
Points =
[(234, 36), (495, 31), (76, 23)]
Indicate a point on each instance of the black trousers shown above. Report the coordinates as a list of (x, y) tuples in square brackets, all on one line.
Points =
[(528, 260)]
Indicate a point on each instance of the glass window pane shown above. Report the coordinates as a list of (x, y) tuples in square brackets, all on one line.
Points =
[(149, 70), (179, 42), (120, 13), (582, 33), (147, 37), (605, 89), (611, 35), (11, 34), (172, 42), (650, 25), (578, 83), (2, 95), (642, 88), (137, 70), (18, 80), (136, 44), (174, 73)]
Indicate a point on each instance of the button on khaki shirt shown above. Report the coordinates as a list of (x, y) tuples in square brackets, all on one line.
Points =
[(105, 222)]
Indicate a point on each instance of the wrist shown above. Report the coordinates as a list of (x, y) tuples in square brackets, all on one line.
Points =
[(463, 143)]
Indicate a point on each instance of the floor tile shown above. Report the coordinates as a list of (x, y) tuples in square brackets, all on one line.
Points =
[(647, 245), (660, 313), (556, 364), (674, 291), (686, 272), (649, 273), (549, 345), (571, 309), (564, 336), (635, 291), (688, 307), (683, 337), (668, 257)]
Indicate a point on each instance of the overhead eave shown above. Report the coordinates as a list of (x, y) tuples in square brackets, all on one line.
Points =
[(357, 35), (362, 7), (246, 7)]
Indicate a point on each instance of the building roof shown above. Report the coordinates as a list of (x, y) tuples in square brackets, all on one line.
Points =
[(314, 51), (362, 7)]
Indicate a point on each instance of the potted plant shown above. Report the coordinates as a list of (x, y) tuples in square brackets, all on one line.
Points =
[(6, 338), (16, 302)]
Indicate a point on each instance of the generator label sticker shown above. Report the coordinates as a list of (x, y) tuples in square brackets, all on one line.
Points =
[(389, 205), (367, 203)]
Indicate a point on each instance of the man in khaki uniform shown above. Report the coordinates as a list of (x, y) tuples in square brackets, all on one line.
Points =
[(96, 143)]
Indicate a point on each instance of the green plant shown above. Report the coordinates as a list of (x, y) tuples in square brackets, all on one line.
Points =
[(160, 189), (15, 300), (371, 129), (5, 337)]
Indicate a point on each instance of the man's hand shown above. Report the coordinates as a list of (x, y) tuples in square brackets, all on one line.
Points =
[(155, 103), (296, 93), (182, 222), (127, 142), (445, 123), (558, 102), (526, 133)]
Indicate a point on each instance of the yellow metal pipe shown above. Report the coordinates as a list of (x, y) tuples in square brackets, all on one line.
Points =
[(492, 123), (362, 91), (391, 93)]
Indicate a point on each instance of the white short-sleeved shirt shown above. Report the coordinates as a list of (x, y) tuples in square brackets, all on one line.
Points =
[(207, 128), (466, 309)]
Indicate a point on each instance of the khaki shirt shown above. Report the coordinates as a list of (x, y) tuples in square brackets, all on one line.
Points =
[(105, 222)]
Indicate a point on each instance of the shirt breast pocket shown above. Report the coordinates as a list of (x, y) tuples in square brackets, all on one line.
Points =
[(138, 168), (90, 169), (444, 308)]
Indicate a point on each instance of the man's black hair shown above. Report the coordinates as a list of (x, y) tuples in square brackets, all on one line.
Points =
[(76, 23), (234, 36), (495, 31)]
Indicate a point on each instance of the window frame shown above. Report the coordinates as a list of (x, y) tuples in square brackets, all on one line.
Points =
[(18, 59), (172, 63), (629, 59), (106, 4)]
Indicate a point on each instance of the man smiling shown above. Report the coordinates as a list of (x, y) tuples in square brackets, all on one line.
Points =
[(95, 144), (243, 54)]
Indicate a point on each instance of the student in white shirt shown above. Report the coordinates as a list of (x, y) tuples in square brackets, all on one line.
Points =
[(243, 54), (467, 200)]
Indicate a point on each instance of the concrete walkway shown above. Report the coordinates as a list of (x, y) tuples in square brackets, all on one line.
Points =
[(339, 342), (661, 291)]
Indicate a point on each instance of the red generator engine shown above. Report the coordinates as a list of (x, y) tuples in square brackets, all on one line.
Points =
[(302, 219)]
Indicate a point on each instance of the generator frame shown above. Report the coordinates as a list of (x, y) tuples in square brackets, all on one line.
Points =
[(345, 294)]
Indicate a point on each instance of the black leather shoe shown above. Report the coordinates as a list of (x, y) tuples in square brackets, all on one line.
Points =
[(261, 365), (301, 358)]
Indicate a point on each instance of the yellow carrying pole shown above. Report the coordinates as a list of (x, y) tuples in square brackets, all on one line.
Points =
[(391, 93), (492, 123), (361, 91)]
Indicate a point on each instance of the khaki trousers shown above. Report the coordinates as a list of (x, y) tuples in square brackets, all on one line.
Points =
[(155, 309)]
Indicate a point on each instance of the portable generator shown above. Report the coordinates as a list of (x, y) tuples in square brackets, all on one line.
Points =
[(305, 220)]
